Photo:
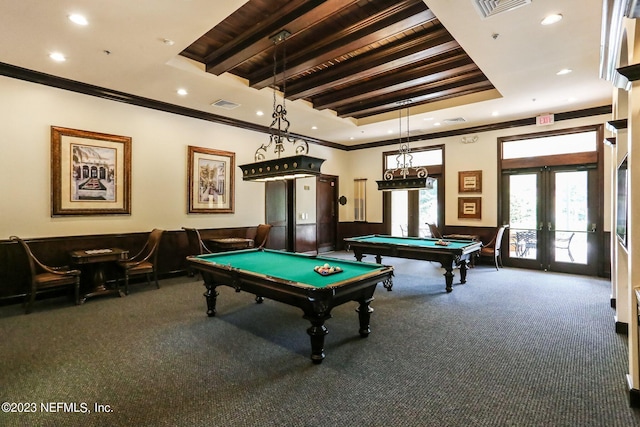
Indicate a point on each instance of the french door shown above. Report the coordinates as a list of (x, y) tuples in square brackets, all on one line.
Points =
[(552, 215)]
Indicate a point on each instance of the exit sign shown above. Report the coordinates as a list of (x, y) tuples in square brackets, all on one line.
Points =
[(544, 119)]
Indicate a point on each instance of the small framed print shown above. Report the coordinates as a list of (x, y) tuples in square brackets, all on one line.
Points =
[(210, 180), (470, 207), (90, 173), (470, 182)]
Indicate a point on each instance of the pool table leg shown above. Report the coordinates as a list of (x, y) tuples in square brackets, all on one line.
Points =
[(463, 271), (364, 315), (448, 275), (317, 331), (211, 295)]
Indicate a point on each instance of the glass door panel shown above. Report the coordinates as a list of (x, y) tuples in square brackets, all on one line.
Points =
[(428, 208), (571, 217), (523, 216), (399, 212)]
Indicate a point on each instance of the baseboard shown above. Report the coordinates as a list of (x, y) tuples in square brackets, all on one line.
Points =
[(634, 394), (622, 328)]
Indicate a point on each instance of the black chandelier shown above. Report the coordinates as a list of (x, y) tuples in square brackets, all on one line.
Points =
[(404, 176), (299, 165)]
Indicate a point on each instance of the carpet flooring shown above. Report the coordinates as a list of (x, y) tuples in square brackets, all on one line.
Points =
[(509, 348)]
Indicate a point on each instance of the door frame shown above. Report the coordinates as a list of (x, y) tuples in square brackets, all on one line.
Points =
[(595, 158), (546, 225)]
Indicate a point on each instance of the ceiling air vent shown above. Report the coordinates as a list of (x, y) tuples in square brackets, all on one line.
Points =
[(227, 105), (455, 120), (488, 8)]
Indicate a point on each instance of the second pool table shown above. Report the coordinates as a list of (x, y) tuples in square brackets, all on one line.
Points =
[(291, 278), (455, 253)]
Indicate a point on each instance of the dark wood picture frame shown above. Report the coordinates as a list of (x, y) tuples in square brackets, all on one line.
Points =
[(470, 181), (210, 180), (90, 173), (470, 207)]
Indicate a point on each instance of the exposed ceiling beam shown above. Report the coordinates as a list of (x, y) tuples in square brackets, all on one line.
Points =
[(457, 86), (379, 61), (296, 17), (430, 72), (373, 29)]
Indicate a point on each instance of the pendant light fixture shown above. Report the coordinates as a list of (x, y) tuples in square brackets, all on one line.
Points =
[(299, 165), (404, 176)]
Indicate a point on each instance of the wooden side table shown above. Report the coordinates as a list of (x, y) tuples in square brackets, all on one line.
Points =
[(228, 244), (92, 262), (472, 237)]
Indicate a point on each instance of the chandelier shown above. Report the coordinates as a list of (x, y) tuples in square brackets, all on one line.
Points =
[(404, 176), (300, 164)]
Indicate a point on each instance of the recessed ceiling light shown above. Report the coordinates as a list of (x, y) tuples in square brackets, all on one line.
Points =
[(551, 19), (78, 19), (351, 138), (259, 113), (57, 56), (182, 92), (168, 42), (314, 127), (495, 113), (390, 131), (428, 118), (564, 71), (437, 124)]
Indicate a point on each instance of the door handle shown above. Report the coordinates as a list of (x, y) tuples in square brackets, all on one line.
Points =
[(540, 226), (549, 227), (593, 227)]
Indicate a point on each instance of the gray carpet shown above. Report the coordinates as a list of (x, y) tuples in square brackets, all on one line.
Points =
[(509, 348)]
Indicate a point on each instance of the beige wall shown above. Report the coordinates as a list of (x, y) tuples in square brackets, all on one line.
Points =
[(159, 163), (482, 155)]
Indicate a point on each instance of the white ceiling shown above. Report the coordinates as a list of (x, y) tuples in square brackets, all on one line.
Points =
[(521, 61)]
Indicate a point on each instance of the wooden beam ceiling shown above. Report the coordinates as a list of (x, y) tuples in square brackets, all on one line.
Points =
[(357, 57)]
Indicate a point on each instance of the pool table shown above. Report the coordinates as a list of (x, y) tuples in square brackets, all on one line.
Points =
[(291, 278), (450, 254)]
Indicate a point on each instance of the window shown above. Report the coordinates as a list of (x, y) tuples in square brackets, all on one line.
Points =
[(422, 157), (550, 145), (411, 210), (359, 199)]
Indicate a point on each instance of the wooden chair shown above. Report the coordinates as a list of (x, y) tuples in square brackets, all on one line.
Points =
[(262, 235), (565, 243), (435, 233), (492, 249), (144, 262), (195, 243), (46, 278)]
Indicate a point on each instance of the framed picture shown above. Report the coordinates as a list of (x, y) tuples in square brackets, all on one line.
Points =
[(210, 180), (90, 173), (470, 207), (470, 182)]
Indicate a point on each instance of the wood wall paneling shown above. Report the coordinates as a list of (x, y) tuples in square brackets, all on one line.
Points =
[(54, 251)]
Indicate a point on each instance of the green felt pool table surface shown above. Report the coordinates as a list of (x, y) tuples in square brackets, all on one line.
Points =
[(410, 241), (291, 267), (451, 254)]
